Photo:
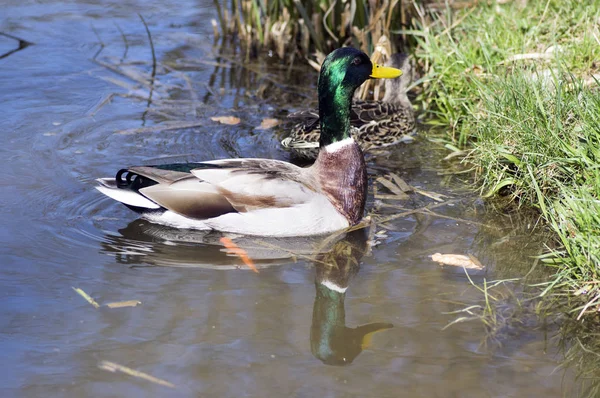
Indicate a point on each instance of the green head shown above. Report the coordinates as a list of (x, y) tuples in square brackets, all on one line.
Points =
[(342, 72)]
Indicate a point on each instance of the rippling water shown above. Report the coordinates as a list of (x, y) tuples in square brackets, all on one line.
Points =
[(207, 323)]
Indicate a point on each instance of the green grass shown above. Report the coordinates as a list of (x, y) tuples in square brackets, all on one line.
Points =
[(532, 125), (462, 53), (531, 128)]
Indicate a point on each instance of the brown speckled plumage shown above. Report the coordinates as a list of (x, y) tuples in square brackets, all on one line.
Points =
[(374, 123)]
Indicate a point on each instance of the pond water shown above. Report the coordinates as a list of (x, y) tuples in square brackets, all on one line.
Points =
[(207, 323)]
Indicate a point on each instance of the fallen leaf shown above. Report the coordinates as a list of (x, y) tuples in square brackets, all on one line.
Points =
[(230, 120), (392, 187), (121, 304), (115, 367), (457, 260), (238, 251), (268, 123), (401, 183), (86, 297), (476, 70)]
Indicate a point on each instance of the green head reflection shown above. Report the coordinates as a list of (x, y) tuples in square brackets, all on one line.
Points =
[(331, 341)]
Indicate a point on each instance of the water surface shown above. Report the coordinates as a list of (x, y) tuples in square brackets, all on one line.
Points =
[(207, 323)]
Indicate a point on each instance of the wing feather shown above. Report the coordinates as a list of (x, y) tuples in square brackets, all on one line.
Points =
[(251, 184), (189, 197), (161, 176), (214, 188)]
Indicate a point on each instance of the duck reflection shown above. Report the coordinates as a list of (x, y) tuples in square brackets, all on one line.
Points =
[(331, 341), (336, 258), (144, 243)]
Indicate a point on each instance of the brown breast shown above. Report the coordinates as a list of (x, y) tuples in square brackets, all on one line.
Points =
[(343, 178)]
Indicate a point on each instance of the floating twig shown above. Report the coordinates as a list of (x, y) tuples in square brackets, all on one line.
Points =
[(391, 197), (163, 127), (126, 73), (122, 304), (115, 367), (409, 212), (124, 42), (151, 45), (99, 42), (588, 305), (438, 197), (87, 297), (153, 69)]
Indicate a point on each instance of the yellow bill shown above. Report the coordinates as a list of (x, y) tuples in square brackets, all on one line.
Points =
[(384, 72)]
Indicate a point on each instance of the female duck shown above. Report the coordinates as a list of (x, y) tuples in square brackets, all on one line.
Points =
[(262, 196), (375, 123)]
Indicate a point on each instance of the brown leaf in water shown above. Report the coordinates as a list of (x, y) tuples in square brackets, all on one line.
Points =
[(121, 304), (457, 260), (401, 183), (238, 251), (393, 188), (268, 123), (476, 70), (230, 120)]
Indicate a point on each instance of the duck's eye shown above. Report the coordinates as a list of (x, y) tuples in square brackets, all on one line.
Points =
[(356, 61)]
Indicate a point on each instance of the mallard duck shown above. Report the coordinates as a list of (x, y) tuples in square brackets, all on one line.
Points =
[(375, 123), (263, 196)]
